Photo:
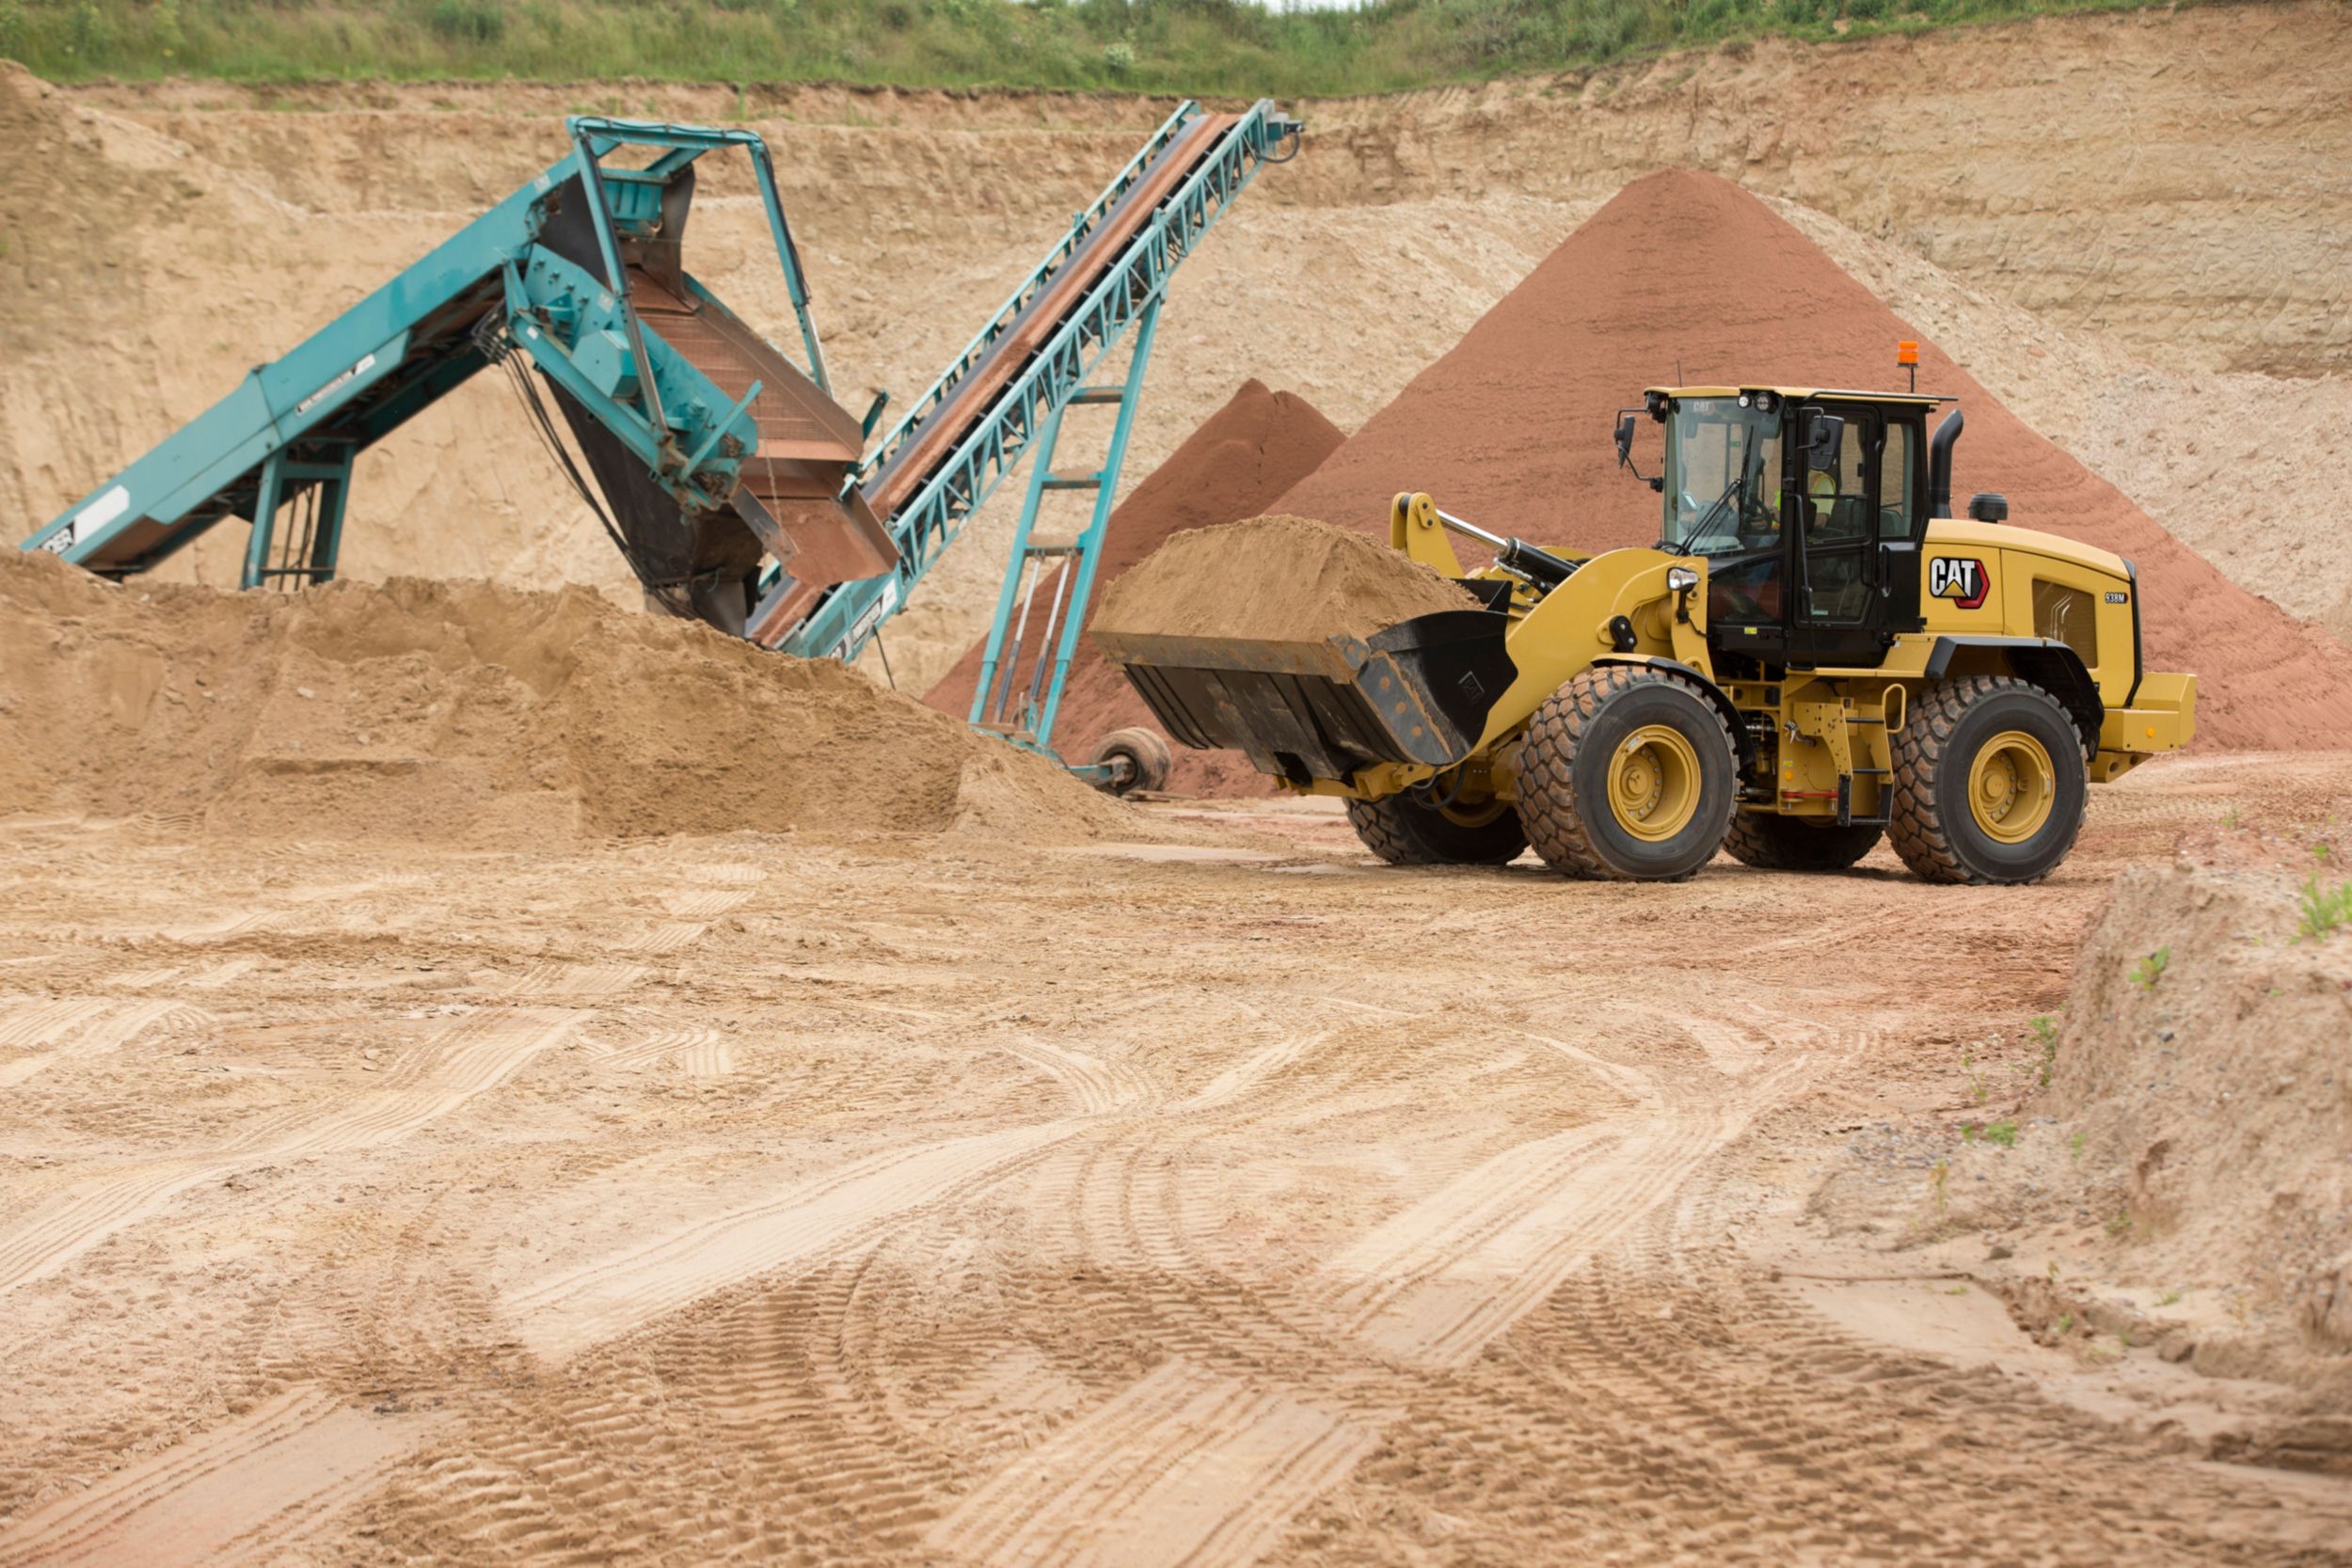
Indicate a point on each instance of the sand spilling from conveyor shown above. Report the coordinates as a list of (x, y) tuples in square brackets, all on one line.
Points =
[(466, 711), (1245, 454), (1684, 277), (1275, 580)]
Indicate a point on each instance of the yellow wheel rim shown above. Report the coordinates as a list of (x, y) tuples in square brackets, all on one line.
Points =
[(1653, 783), (2011, 786)]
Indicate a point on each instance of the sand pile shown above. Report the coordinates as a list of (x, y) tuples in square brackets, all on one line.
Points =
[(439, 710), (1276, 579), (1685, 277), (2167, 1162), (1232, 467), (2203, 1076)]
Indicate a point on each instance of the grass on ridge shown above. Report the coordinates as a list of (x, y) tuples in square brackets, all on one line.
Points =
[(1219, 47)]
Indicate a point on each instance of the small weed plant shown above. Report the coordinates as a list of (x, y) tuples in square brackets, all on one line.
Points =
[(2323, 910), (2151, 969), (2045, 1035)]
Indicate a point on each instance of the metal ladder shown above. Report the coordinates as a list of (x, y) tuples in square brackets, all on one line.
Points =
[(1004, 703)]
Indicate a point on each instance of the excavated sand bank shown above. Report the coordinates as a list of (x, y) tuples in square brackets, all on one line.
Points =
[(1277, 579), (1246, 453), (1511, 430), (464, 711), (2170, 1163)]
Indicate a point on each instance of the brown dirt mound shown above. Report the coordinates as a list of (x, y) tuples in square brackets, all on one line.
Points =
[(2178, 1170), (2202, 1058), (1232, 467), (420, 709), (1684, 276), (1278, 579)]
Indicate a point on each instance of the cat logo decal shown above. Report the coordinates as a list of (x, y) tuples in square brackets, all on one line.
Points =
[(1960, 579)]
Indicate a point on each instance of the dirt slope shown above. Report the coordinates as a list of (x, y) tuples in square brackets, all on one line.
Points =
[(1242, 457), (2164, 178), (1511, 430), (465, 712)]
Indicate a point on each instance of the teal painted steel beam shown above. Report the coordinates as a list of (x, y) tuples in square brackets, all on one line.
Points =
[(265, 517)]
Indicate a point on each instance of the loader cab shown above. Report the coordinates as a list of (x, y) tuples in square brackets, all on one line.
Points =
[(1809, 507)]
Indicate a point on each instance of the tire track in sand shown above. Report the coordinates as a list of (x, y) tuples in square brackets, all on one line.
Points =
[(811, 1223), (256, 1486), (1183, 1467), (806, 1224), (64, 1031), (470, 1057), (1433, 1285)]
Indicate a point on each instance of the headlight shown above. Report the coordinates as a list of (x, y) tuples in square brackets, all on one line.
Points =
[(1680, 579)]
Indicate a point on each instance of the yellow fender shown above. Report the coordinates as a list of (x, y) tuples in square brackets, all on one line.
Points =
[(1576, 627)]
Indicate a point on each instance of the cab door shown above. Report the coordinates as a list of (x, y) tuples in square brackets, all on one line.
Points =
[(1839, 609)]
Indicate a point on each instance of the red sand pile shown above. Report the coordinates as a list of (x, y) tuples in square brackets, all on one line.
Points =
[(1512, 430), (1241, 458)]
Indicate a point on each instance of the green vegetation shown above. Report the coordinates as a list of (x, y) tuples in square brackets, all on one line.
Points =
[(2151, 969), (2045, 1033), (1226, 47), (2323, 910), (2001, 1132)]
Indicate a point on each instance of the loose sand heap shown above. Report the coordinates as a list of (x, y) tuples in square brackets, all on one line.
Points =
[(1257, 446), (1684, 276), (1275, 580), (2205, 1057), (419, 709), (2178, 1167)]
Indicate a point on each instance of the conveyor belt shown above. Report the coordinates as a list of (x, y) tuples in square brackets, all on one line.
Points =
[(936, 440)]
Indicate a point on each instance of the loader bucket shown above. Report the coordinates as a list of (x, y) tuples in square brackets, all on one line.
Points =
[(1416, 692)]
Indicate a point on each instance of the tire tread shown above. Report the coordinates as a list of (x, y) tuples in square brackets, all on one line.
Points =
[(1548, 805), (1920, 749)]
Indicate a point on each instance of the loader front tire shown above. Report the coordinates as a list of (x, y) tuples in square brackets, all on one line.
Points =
[(1989, 781), (1626, 775), (1404, 831), (1797, 843)]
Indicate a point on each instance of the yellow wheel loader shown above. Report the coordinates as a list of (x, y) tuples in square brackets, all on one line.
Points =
[(1814, 655)]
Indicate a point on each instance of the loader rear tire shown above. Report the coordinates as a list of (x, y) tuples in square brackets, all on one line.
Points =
[(1797, 843), (1626, 775), (1404, 832), (1989, 781)]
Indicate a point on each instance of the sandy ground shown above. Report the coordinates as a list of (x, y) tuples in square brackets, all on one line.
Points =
[(1219, 1198)]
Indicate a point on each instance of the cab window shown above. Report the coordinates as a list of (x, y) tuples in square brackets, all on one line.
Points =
[(1898, 481)]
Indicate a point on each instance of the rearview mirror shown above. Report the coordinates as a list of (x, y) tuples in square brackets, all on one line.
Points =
[(1820, 447), (1625, 436)]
